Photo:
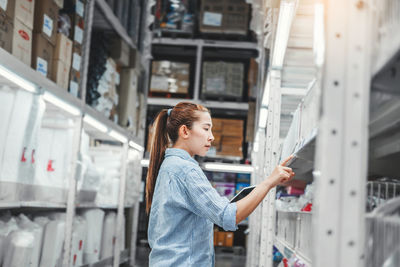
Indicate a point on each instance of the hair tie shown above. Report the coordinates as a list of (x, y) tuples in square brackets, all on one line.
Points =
[(169, 112)]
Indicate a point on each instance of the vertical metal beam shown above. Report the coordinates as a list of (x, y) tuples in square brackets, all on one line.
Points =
[(197, 77), (89, 13), (271, 154), (121, 205), (135, 221), (72, 172), (342, 144)]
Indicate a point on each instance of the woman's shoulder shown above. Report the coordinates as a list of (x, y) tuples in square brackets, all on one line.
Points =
[(178, 166)]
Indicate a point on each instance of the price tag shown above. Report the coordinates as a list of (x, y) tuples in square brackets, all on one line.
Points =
[(41, 66), (76, 62), (47, 25)]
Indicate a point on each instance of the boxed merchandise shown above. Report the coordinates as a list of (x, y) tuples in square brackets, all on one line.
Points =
[(231, 146), (91, 251), (21, 10), (226, 16), (46, 16), (228, 137), (170, 77), (127, 106), (223, 79), (60, 73), (53, 241), (42, 55), (22, 42), (225, 189), (63, 49), (6, 32)]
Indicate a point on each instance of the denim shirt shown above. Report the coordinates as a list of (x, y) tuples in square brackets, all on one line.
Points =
[(183, 210)]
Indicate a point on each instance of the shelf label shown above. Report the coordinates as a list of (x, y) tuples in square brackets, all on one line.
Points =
[(78, 34), (79, 8), (41, 66), (76, 62), (3, 4), (47, 25), (73, 88), (212, 19)]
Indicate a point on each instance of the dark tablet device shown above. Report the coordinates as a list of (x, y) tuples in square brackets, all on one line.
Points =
[(244, 192)]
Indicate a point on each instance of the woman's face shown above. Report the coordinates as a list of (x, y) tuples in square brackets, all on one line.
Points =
[(199, 141)]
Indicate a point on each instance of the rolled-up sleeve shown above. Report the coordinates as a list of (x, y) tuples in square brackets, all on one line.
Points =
[(206, 202)]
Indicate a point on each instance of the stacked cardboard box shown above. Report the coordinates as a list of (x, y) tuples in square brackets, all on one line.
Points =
[(16, 23), (223, 239), (228, 137), (44, 37), (62, 61), (76, 12), (170, 77)]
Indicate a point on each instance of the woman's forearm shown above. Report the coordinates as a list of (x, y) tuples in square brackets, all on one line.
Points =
[(248, 204)]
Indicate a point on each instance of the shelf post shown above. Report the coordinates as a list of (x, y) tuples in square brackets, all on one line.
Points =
[(121, 205), (342, 145)]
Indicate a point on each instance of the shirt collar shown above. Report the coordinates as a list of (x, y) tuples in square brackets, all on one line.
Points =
[(180, 153)]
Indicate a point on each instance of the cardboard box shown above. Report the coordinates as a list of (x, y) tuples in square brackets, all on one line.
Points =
[(42, 55), (60, 73), (228, 239), (77, 29), (170, 77), (22, 42), (63, 49), (46, 16), (127, 108), (6, 32), (21, 10), (220, 239), (120, 52)]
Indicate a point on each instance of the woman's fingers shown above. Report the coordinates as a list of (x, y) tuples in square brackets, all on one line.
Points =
[(286, 160)]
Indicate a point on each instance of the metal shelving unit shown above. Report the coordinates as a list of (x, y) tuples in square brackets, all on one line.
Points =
[(19, 76)]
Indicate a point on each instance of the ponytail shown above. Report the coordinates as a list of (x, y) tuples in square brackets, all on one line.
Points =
[(166, 127), (159, 144)]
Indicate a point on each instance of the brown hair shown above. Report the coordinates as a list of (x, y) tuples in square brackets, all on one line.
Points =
[(166, 130)]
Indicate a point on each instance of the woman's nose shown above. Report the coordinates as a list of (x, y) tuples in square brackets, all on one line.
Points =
[(211, 138)]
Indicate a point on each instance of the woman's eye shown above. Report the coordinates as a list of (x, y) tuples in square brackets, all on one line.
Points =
[(206, 129)]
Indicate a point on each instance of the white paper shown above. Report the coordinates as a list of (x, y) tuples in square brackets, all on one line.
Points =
[(41, 66), (159, 83), (73, 88), (3, 4), (47, 25), (79, 8), (78, 34), (212, 19), (76, 62)]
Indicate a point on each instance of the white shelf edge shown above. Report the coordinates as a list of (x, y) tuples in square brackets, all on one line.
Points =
[(115, 23), (205, 43), (281, 245), (209, 104), (109, 261), (31, 204)]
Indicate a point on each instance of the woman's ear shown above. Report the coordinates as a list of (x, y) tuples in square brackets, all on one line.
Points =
[(184, 132)]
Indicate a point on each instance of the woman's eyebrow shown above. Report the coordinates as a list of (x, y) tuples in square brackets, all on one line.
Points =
[(208, 124)]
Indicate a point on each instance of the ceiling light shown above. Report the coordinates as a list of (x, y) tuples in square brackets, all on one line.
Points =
[(118, 136), (17, 80), (224, 167), (94, 123), (263, 116), (61, 104), (136, 146)]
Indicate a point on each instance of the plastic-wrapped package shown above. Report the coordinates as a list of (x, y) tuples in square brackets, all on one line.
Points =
[(91, 250), (53, 241), (53, 158), (19, 249), (37, 231), (294, 203), (6, 227), (133, 177), (15, 107), (108, 238), (78, 241)]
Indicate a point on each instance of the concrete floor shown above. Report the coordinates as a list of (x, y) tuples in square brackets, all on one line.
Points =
[(222, 259)]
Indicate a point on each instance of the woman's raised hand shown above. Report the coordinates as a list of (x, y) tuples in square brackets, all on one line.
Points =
[(281, 174)]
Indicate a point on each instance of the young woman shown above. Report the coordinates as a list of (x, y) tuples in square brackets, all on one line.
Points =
[(183, 205)]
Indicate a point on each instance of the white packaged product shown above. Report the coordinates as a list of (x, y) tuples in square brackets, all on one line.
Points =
[(15, 107), (53, 241), (37, 231), (91, 250), (6, 227), (19, 249), (78, 241), (53, 159), (108, 238)]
